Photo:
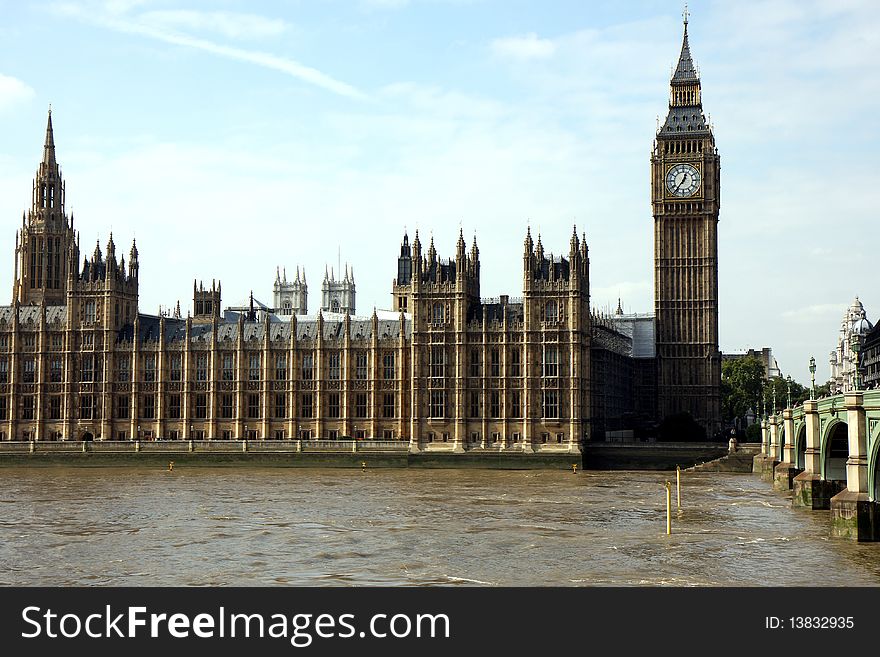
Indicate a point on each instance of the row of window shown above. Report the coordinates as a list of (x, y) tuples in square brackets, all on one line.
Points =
[(549, 362), (440, 313), (90, 366), (278, 408), (437, 405), (88, 406)]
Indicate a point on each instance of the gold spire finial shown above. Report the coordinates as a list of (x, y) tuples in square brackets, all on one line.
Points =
[(685, 15)]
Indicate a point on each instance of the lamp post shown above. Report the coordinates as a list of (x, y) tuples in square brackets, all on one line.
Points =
[(774, 399), (788, 383), (855, 346), (245, 432), (763, 405), (812, 377)]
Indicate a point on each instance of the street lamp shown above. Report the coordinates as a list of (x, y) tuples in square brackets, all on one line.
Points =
[(788, 383), (812, 377), (245, 432), (763, 405), (774, 399)]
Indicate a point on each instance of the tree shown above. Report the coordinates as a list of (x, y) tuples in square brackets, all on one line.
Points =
[(780, 386), (740, 386), (743, 384)]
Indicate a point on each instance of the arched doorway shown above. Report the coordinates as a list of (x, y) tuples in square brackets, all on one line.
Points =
[(836, 452), (87, 437), (801, 448)]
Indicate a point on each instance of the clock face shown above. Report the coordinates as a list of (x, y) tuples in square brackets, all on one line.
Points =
[(683, 180)]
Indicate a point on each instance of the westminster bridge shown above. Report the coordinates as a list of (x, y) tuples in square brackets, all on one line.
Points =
[(827, 451)]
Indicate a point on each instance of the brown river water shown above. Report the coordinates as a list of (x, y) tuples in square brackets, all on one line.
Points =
[(249, 526)]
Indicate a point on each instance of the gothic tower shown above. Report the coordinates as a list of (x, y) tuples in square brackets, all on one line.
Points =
[(685, 194), (338, 296), (291, 297), (46, 246)]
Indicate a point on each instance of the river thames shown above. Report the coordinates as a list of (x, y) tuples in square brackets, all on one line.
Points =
[(253, 526)]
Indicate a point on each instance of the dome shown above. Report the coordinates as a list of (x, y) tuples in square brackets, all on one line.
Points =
[(861, 326)]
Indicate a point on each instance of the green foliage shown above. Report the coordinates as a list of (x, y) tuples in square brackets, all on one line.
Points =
[(740, 386), (823, 390), (780, 387), (753, 433), (743, 385)]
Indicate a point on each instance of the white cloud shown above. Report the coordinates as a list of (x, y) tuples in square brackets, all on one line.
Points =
[(13, 91), (229, 24), (526, 47), (134, 25)]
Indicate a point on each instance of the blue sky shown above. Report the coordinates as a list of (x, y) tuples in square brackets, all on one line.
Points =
[(232, 137)]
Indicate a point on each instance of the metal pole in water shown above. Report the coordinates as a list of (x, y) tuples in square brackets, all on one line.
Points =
[(668, 508), (678, 484)]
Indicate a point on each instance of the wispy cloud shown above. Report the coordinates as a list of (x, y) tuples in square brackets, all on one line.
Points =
[(228, 24), (143, 25), (529, 46), (13, 91)]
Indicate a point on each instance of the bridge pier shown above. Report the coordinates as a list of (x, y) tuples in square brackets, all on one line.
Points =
[(774, 451), (853, 514), (785, 472), (761, 458), (809, 489)]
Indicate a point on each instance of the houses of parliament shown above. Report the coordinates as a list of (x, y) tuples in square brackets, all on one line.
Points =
[(444, 369)]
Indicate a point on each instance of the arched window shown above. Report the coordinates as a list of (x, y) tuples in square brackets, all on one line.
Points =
[(551, 312)]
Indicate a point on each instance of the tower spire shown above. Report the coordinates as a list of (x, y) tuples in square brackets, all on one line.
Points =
[(49, 144), (685, 70), (685, 95)]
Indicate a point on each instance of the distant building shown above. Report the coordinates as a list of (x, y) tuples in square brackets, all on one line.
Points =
[(338, 296), (291, 298), (765, 355), (843, 361)]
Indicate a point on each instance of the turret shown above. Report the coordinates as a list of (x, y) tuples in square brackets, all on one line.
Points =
[(42, 263)]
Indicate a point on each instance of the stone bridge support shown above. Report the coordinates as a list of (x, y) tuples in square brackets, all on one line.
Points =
[(775, 451), (787, 470), (764, 455), (853, 514), (810, 490)]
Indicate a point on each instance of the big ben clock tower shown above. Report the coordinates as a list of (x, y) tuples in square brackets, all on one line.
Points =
[(685, 195)]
